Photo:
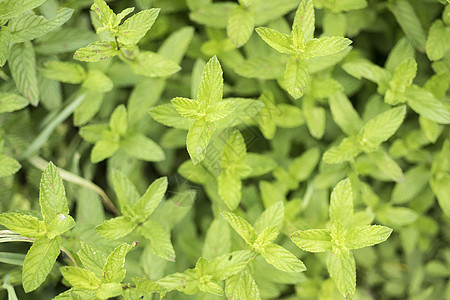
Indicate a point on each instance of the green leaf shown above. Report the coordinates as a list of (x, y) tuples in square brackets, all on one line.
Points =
[(87, 110), (277, 40), (416, 178), (149, 286), (438, 42), (152, 64), (125, 190), (303, 165), (348, 149), (113, 270), (365, 236), (362, 68), (96, 51), (8, 165), (397, 216), (218, 234), (342, 270), (341, 203), (242, 286), (103, 149), (220, 110), (259, 164), (93, 133), (59, 225), (115, 228), (5, 39), (198, 138), (240, 26), (119, 120), (25, 225), (304, 24), (141, 147), (214, 15), (160, 239), (268, 235), (80, 278), (272, 216), (230, 186), (92, 259), (109, 290), (425, 104), (241, 226), (246, 2), (386, 165), (296, 77), (14, 8), (135, 28), (402, 50), (106, 15), (409, 22), (187, 108), (229, 264), (313, 240), (380, 128), (325, 46), (39, 262), (52, 196), (22, 65), (64, 71), (441, 188), (282, 259), (97, 81), (210, 90), (315, 118), (344, 114), (29, 26), (151, 198), (167, 114)]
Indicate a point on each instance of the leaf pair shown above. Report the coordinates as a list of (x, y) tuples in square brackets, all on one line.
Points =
[(136, 211), (109, 138), (205, 111), (301, 45), (46, 234), (342, 237), (102, 276), (268, 225)]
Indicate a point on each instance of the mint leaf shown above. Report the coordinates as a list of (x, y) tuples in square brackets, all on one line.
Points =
[(64, 72), (272, 216), (425, 104), (240, 26), (282, 259), (160, 239), (29, 26), (118, 121), (113, 270), (345, 151), (151, 198), (198, 138), (151, 64), (135, 28), (5, 38), (103, 149), (25, 225), (97, 81), (141, 147), (115, 228), (241, 226), (441, 189), (92, 259), (341, 203), (96, 51), (52, 195), (304, 24), (8, 165), (277, 40), (344, 114), (230, 187), (210, 90), (80, 278), (365, 236), (106, 15), (14, 8), (59, 225), (295, 78), (187, 108), (167, 114), (242, 286), (342, 270), (22, 64), (313, 240), (437, 43), (325, 46), (39, 262), (218, 233), (124, 188)]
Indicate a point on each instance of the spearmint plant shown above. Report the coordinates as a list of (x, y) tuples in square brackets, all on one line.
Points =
[(206, 149)]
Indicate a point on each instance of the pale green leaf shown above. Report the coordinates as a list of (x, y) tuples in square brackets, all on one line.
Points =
[(88, 109), (345, 116), (268, 235), (296, 77), (8, 166), (263, 67), (304, 24), (30, 26), (103, 149), (303, 165), (211, 287), (240, 26), (220, 110), (241, 226), (187, 108), (96, 80), (22, 65), (5, 39), (272, 216), (342, 270), (396, 216), (14, 8), (113, 270), (246, 2), (218, 234), (151, 198), (125, 190), (277, 40), (160, 239), (59, 225), (39, 262), (135, 27), (386, 165), (25, 225), (93, 133), (425, 104), (198, 138), (438, 41), (380, 128), (119, 120), (363, 68), (341, 203), (141, 147), (115, 228), (402, 50), (210, 90), (109, 290), (282, 259), (176, 45), (347, 149), (64, 71), (152, 64), (234, 150), (291, 116), (230, 187), (96, 51), (402, 78), (92, 259), (259, 164), (242, 286), (149, 286), (167, 114), (325, 46), (52, 196), (80, 278), (365, 236), (229, 264), (441, 188), (416, 178), (214, 14), (313, 240)]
